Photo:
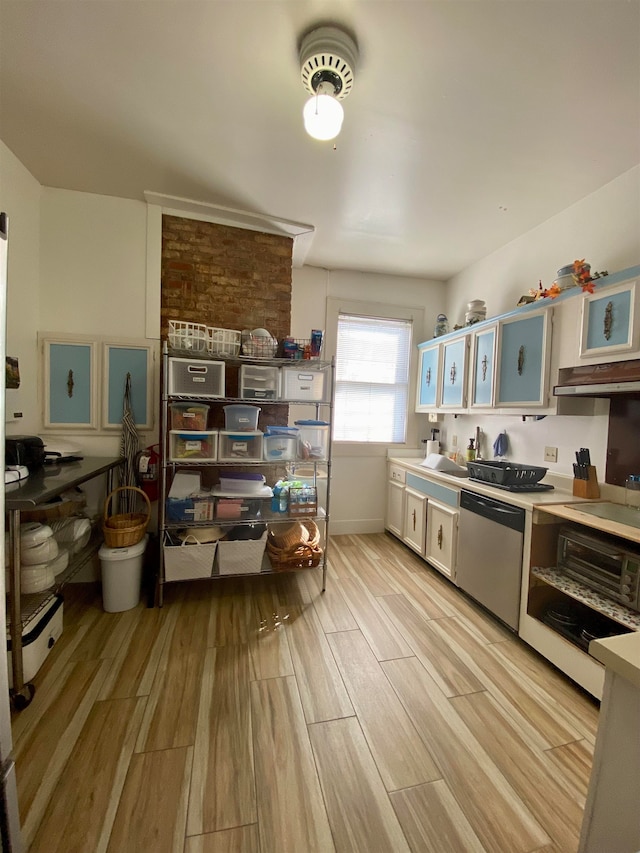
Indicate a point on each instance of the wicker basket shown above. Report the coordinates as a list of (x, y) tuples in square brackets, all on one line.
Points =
[(126, 528), (304, 553), (53, 511)]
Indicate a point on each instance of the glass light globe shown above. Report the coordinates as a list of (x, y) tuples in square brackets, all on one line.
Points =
[(323, 116)]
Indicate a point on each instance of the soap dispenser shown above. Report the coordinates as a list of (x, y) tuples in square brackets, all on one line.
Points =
[(471, 451)]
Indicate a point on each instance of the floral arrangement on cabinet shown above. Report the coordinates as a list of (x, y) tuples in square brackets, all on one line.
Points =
[(577, 274)]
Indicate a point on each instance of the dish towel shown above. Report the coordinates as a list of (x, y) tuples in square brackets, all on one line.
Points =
[(501, 444)]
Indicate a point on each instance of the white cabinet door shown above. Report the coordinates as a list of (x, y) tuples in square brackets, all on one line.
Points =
[(442, 538), (415, 520), (395, 507)]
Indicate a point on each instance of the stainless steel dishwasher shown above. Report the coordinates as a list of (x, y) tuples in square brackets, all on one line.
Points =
[(489, 566)]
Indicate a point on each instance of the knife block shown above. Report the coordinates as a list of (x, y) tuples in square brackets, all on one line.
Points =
[(587, 488)]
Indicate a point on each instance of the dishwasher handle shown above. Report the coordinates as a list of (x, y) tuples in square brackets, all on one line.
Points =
[(498, 511)]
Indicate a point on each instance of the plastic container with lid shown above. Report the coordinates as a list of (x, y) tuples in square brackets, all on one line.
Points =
[(241, 417), (314, 439), (632, 491)]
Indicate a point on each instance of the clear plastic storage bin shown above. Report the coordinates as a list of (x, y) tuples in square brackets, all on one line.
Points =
[(236, 446), (259, 382), (241, 418), (193, 446), (279, 447), (190, 416), (314, 439)]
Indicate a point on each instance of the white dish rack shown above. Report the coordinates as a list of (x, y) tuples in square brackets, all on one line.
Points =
[(196, 337)]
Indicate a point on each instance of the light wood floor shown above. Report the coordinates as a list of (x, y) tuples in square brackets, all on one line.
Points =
[(257, 715)]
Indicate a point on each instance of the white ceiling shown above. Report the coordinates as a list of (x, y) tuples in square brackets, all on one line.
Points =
[(469, 122)]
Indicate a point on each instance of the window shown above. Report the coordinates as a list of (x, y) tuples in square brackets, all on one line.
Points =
[(372, 379)]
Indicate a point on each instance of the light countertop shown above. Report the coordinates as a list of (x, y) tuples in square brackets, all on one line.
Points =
[(620, 654), (526, 500)]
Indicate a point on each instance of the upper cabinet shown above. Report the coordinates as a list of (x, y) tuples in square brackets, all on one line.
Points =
[(504, 364), (453, 394), (609, 322), (428, 377), (524, 345), (483, 349)]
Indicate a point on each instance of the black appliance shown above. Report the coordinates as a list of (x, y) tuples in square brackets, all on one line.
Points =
[(25, 450)]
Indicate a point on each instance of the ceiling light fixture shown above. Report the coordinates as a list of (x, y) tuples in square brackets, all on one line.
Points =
[(328, 57)]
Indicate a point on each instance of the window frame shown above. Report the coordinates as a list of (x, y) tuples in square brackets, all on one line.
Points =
[(415, 314)]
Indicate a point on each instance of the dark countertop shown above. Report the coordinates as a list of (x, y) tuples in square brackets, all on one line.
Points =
[(56, 477)]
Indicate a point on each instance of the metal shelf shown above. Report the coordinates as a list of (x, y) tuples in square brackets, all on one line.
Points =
[(315, 470)]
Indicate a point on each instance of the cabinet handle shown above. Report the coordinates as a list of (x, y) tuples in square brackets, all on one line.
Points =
[(452, 374), (440, 537), (520, 360), (485, 364), (427, 377), (70, 384), (414, 521), (608, 321)]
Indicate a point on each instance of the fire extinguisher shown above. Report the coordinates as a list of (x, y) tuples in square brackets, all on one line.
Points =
[(148, 465)]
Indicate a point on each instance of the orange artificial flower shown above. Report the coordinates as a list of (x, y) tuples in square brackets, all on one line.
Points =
[(588, 287), (553, 291)]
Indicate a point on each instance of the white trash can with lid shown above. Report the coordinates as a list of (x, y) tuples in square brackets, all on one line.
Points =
[(121, 576)]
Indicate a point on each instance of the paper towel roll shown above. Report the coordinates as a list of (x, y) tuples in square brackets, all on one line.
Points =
[(433, 447)]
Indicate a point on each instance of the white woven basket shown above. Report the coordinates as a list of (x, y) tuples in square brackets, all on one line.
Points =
[(189, 560)]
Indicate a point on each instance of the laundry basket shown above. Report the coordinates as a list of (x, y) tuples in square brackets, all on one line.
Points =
[(126, 528)]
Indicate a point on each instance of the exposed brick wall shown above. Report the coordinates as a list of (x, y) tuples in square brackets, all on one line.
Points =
[(229, 278), (225, 277)]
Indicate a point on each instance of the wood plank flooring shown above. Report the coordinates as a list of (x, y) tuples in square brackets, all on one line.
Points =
[(254, 715)]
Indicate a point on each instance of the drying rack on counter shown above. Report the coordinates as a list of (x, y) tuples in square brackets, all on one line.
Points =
[(40, 487)]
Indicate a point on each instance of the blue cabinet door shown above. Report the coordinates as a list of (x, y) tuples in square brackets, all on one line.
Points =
[(454, 372), (69, 378), (523, 364), (484, 344), (427, 392), (608, 321)]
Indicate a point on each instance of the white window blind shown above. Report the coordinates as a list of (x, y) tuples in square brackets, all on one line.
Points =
[(372, 379)]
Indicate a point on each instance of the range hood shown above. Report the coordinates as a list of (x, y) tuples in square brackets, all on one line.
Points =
[(599, 380)]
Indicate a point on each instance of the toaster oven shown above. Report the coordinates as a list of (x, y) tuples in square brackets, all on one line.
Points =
[(609, 566)]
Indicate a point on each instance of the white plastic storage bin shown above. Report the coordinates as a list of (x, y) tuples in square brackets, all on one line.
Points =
[(241, 557), (196, 377), (187, 446), (236, 446), (259, 382), (188, 560), (280, 447), (314, 439), (121, 576), (38, 638), (301, 384), (223, 341), (239, 417)]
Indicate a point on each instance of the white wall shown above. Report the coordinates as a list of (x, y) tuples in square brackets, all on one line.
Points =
[(603, 228), (358, 490), (20, 199)]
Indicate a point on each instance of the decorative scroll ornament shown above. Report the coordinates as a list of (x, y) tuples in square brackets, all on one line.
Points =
[(70, 383), (608, 320), (427, 377), (520, 360), (485, 365), (453, 373)]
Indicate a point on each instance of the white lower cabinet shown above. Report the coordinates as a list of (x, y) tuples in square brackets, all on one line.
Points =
[(415, 520), (442, 538), (395, 507)]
